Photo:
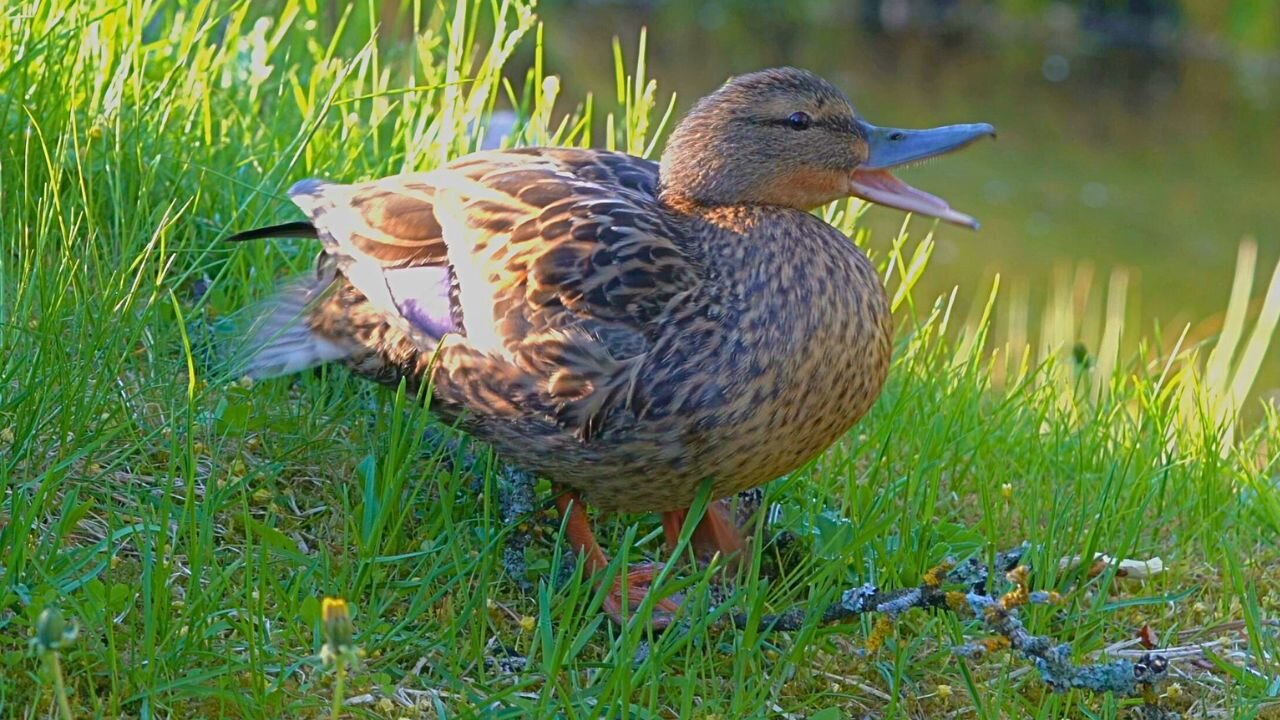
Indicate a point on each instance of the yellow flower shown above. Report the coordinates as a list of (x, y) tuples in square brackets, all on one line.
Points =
[(1006, 491), (337, 621), (944, 692), (527, 623), (338, 632)]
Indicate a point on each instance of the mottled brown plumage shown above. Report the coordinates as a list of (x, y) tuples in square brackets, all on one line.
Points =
[(626, 329)]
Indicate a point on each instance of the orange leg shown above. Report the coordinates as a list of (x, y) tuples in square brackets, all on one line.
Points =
[(716, 532), (638, 577)]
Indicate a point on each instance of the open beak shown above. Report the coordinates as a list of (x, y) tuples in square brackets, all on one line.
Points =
[(891, 148)]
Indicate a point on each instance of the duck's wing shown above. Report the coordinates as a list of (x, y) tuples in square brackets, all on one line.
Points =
[(556, 266)]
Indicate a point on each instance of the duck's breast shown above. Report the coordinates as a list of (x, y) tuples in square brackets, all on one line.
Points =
[(789, 353)]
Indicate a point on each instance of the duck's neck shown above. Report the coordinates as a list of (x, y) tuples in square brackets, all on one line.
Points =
[(692, 192), (800, 191), (747, 222)]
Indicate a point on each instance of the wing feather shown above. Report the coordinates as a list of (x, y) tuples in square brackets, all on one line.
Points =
[(563, 267)]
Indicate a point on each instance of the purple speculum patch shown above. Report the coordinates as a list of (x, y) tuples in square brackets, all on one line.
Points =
[(422, 296)]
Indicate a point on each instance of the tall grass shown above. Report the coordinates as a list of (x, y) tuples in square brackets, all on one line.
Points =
[(191, 524)]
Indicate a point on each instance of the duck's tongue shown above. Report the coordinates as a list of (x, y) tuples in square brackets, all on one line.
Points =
[(890, 148), (882, 188)]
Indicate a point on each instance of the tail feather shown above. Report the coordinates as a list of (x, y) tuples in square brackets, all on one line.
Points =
[(279, 339), (300, 229)]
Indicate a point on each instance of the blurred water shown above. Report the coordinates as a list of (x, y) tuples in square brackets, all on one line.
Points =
[(1157, 156)]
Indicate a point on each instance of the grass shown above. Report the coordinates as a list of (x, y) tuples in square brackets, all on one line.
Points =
[(191, 524)]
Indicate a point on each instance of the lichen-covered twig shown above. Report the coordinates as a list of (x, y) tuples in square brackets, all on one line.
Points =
[(971, 574), (454, 454), (1000, 616), (1053, 660)]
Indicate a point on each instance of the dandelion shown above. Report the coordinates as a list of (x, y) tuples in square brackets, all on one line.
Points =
[(53, 633), (944, 692), (339, 649)]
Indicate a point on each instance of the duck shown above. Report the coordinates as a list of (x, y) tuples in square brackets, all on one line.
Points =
[(635, 332)]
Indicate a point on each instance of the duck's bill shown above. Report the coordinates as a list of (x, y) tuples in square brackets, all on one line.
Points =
[(891, 148)]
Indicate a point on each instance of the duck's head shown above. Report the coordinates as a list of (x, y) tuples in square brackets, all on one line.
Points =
[(787, 137)]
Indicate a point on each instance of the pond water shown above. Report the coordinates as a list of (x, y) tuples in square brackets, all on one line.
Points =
[(1155, 161)]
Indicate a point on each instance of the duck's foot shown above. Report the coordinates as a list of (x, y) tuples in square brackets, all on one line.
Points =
[(717, 533), (637, 583), (629, 592)]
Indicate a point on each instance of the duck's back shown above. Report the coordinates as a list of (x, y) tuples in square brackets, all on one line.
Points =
[(587, 330)]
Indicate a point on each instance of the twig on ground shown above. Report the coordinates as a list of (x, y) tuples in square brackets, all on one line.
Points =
[(1135, 677)]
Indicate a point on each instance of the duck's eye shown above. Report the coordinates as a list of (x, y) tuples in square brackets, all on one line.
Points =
[(799, 121)]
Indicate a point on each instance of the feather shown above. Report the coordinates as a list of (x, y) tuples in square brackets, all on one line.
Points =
[(279, 340), (423, 296)]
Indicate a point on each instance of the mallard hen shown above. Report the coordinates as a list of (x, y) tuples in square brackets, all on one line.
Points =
[(627, 329)]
